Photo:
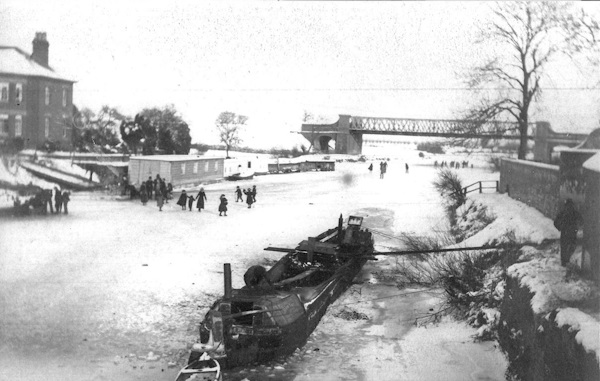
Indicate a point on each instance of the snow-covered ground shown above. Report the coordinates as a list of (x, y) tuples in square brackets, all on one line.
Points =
[(87, 296)]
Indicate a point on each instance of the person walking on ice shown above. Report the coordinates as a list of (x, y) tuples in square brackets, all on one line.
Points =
[(406, 166), (160, 201), (238, 194), (65, 200), (253, 193), (249, 197), (191, 200), (201, 197), (182, 200), (223, 205)]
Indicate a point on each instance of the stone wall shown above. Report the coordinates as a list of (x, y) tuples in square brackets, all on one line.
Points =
[(537, 348), (535, 184)]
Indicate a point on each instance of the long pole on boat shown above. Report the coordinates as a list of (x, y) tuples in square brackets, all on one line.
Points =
[(404, 252), (227, 275)]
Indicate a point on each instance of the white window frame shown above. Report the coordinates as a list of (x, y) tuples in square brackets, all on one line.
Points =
[(18, 125), (47, 127), (64, 97), (19, 93), (206, 166), (4, 122), (183, 168), (4, 92), (47, 96), (195, 167)]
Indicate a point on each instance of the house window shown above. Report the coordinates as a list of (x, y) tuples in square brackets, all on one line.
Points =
[(3, 124), (183, 168), (47, 96), (18, 125), (3, 92), (47, 127), (64, 98), (206, 166), (249, 164), (19, 93), (216, 166), (195, 167)]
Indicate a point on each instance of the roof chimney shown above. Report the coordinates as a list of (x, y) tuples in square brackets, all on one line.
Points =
[(40, 49)]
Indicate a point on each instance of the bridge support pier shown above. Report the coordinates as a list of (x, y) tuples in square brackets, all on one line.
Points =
[(346, 142)]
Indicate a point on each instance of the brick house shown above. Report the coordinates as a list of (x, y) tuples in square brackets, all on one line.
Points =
[(35, 101)]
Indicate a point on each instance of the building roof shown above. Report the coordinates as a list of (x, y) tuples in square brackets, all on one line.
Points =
[(15, 61), (174, 157), (593, 163)]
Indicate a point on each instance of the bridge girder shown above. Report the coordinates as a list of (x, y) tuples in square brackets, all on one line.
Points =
[(434, 128)]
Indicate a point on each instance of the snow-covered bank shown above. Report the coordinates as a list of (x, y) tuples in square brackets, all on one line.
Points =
[(549, 316)]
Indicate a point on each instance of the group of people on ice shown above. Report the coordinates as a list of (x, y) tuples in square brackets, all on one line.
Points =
[(383, 168), (186, 201), (53, 200)]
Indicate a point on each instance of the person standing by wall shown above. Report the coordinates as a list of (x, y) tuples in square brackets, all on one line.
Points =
[(143, 194), (201, 197), (149, 187), (160, 201), (567, 221)]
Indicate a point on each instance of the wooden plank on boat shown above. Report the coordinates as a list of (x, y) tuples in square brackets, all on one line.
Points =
[(297, 277), (320, 247)]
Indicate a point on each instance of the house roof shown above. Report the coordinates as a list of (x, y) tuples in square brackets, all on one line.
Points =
[(174, 158), (15, 61)]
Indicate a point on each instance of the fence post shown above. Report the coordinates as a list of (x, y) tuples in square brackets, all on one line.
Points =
[(497, 186), (480, 187)]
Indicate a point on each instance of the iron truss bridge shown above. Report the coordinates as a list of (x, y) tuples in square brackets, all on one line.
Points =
[(435, 127)]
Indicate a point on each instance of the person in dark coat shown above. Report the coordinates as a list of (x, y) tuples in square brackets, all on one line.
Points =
[(253, 193), (223, 205), (238, 194), (182, 200), (57, 200), (256, 277), (191, 200), (47, 199), (201, 197), (163, 189), (149, 187), (143, 194), (567, 221), (371, 167), (249, 197), (66, 197), (406, 167), (169, 191)]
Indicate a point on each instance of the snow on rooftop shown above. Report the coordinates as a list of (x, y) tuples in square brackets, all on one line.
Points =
[(173, 157), (593, 163), (532, 163), (589, 329), (15, 61)]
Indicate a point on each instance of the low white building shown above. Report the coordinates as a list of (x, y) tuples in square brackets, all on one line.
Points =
[(179, 170)]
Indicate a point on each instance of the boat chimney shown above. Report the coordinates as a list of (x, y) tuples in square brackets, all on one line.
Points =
[(340, 226), (227, 274)]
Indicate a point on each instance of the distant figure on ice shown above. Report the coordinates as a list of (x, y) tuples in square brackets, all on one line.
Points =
[(57, 200), (66, 197), (182, 199), (381, 170), (253, 193), (143, 194), (47, 199), (149, 187), (249, 197), (371, 167), (567, 221), (406, 166), (201, 197), (160, 202), (169, 191), (238, 194), (191, 200), (223, 205)]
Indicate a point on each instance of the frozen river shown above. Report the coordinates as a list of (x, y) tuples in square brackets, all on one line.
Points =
[(87, 296)]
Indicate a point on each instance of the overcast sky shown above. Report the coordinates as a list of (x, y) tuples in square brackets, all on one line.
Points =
[(273, 60)]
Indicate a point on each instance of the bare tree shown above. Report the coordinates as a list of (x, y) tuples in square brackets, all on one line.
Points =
[(527, 36), (229, 125)]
